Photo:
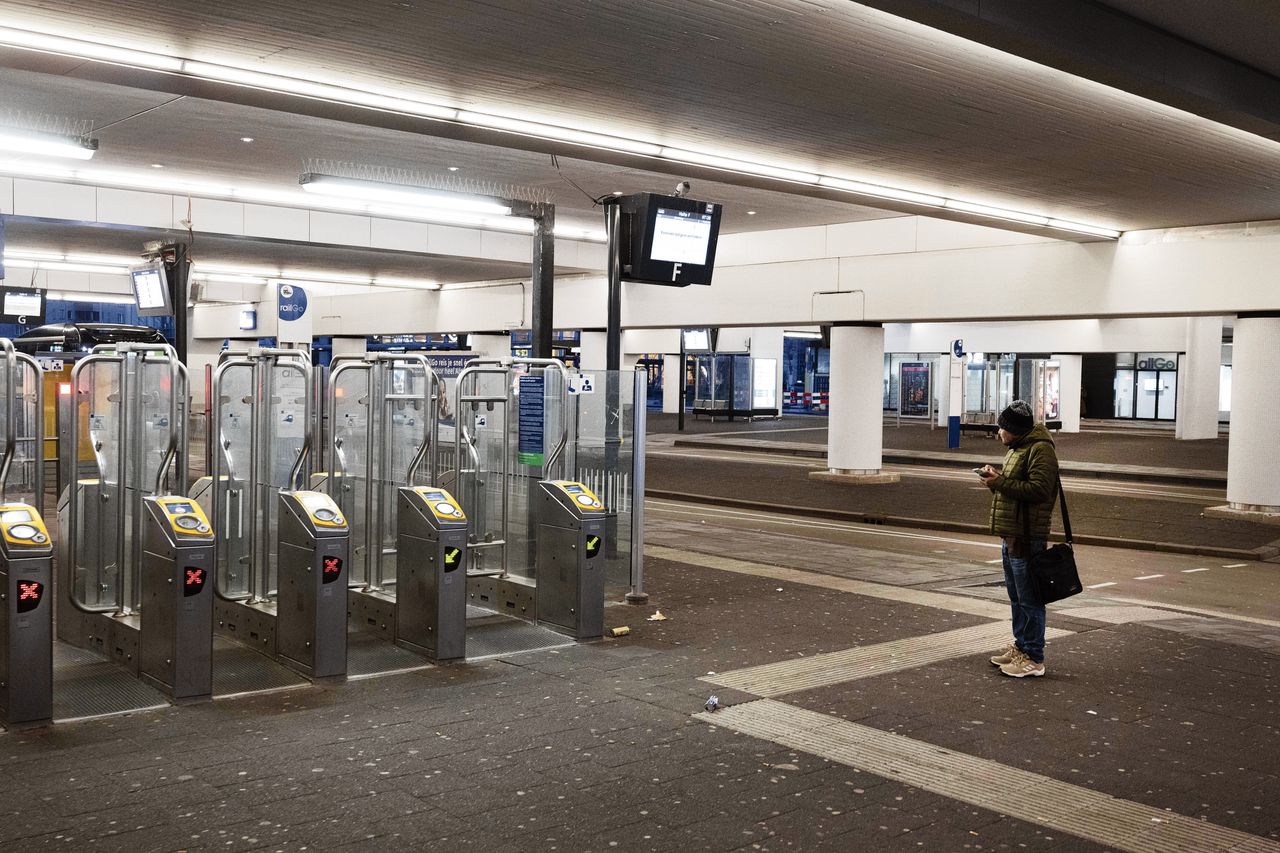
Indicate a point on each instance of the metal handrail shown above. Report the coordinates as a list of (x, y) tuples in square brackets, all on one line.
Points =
[(308, 434), (37, 373)]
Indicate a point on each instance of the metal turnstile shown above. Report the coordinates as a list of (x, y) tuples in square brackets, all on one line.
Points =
[(571, 528), (126, 542), (177, 598), (26, 617), (311, 607), (431, 595)]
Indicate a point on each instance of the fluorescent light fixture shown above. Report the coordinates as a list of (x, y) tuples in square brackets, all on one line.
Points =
[(402, 194), (87, 50), (62, 266), (743, 166), (563, 134), (813, 336), (996, 212), (111, 298), (227, 278), (877, 191), (47, 144), (319, 91), (407, 283), (1077, 227), (569, 232)]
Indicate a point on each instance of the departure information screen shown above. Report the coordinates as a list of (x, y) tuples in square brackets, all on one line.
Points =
[(681, 236), (19, 303), (149, 285)]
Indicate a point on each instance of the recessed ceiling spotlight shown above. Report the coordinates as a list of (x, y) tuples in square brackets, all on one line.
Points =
[(157, 165), (751, 213), (453, 168), (246, 139), (617, 192)]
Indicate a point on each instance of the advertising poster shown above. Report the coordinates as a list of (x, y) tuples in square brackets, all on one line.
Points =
[(913, 385)]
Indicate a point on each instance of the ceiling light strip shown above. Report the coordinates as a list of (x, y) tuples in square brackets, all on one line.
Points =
[(48, 43)]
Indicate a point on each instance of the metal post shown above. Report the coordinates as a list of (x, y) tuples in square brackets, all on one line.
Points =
[(178, 271), (544, 279), (613, 329), (684, 383), (637, 595)]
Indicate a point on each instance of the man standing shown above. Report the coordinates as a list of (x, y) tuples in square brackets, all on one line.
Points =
[(1023, 493)]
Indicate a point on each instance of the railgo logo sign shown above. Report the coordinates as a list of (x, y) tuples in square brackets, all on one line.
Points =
[(292, 302)]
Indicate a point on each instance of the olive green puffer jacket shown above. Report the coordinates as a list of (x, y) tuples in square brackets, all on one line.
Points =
[(1028, 480)]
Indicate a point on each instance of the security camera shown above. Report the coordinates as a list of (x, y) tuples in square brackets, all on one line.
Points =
[(683, 188)]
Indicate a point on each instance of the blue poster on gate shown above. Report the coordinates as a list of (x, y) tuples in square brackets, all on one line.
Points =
[(530, 448)]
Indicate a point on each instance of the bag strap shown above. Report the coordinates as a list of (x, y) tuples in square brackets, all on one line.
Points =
[(1066, 518)]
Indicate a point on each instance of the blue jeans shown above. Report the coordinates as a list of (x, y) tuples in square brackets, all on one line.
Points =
[(1028, 611)]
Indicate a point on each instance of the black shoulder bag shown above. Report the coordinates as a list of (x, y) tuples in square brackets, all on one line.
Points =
[(1053, 570)]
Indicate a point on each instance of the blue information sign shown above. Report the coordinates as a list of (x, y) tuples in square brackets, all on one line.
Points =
[(532, 421)]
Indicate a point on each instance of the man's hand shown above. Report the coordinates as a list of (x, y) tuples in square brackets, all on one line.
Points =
[(988, 476)]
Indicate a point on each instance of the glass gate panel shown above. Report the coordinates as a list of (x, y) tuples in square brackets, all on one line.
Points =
[(403, 430), (98, 523), (349, 463), (24, 479), (481, 424), (606, 462), (232, 460)]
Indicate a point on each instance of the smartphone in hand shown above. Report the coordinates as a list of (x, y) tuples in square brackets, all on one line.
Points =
[(980, 471)]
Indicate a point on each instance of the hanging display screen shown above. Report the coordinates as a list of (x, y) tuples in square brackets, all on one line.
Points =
[(671, 240), (22, 306), (151, 289)]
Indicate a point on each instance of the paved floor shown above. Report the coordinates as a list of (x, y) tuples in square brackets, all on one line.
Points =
[(1164, 732)]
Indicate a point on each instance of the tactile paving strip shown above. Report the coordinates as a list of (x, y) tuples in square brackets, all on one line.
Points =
[(87, 685), (1112, 822), (807, 673), (238, 669)]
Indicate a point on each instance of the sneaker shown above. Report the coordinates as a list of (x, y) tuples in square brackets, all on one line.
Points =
[(1005, 655), (1022, 666)]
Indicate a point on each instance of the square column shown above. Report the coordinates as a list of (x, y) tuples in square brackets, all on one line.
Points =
[(1253, 455), (672, 384), (1199, 374), (855, 427)]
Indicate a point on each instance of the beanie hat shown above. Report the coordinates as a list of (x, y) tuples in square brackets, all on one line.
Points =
[(1016, 418)]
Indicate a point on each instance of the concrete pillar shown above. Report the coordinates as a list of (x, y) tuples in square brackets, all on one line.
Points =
[(593, 347), (1253, 456), (767, 342), (942, 390), (490, 346), (1199, 375), (1070, 377), (855, 437), (672, 384)]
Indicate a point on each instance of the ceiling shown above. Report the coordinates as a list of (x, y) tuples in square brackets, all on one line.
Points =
[(832, 86)]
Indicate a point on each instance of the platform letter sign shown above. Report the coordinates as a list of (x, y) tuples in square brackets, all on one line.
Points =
[(532, 410)]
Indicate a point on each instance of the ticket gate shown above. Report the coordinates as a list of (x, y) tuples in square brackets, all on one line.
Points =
[(571, 529), (177, 624), (133, 558), (431, 596), (26, 617), (280, 550), (311, 611)]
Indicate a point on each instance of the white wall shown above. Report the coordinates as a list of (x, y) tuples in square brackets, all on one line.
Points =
[(1161, 334)]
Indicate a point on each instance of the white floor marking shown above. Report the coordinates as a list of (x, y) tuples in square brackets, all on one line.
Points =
[(822, 670), (1235, 566), (1148, 577), (1085, 813), (1100, 585), (1189, 571), (759, 515), (903, 595), (1200, 611)]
